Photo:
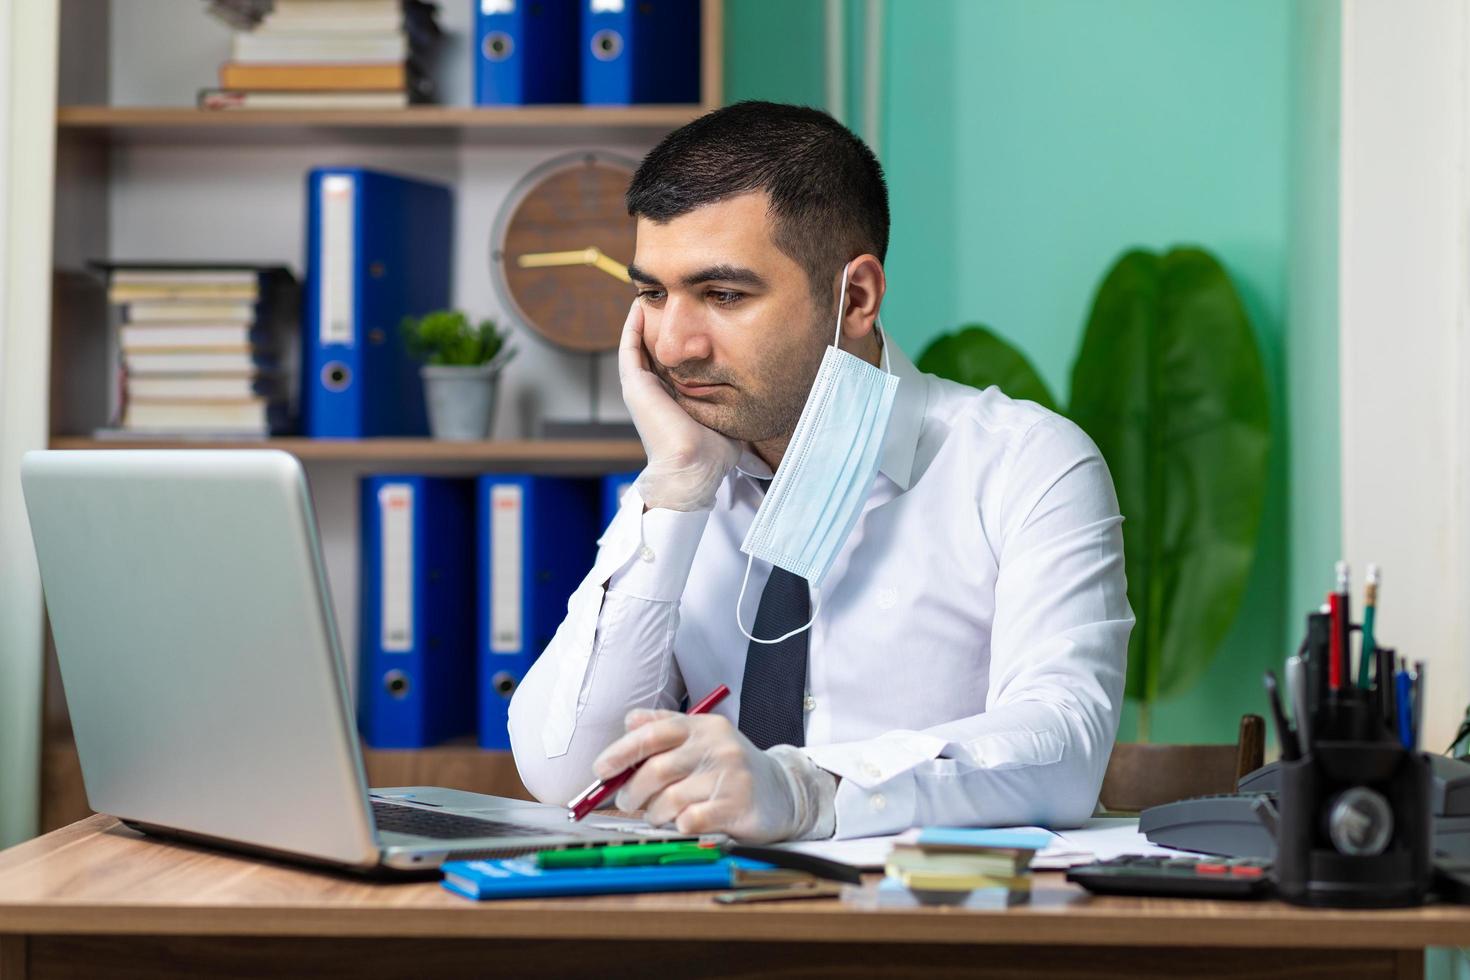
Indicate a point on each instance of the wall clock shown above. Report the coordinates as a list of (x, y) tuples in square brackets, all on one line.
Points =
[(559, 255), (561, 246)]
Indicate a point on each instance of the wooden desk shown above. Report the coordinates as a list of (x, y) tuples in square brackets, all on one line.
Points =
[(97, 900)]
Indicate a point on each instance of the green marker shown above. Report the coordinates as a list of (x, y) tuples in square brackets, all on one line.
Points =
[(1369, 640), (628, 855)]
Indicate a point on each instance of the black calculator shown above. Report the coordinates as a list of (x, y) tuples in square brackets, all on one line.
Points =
[(1180, 877)]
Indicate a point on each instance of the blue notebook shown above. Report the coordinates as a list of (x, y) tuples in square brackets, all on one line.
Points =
[(520, 878), (1021, 840)]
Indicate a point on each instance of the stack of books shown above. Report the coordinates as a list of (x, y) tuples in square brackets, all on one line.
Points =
[(330, 54), (961, 867), (204, 350)]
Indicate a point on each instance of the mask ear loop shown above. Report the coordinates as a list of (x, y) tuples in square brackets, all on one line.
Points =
[(841, 303), (837, 335), (816, 605)]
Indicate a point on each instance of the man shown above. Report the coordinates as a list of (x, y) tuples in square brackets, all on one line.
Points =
[(960, 659)]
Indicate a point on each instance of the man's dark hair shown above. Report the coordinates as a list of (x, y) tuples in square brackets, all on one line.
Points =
[(828, 201)]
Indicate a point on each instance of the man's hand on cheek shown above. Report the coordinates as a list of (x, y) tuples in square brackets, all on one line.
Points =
[(702, 776), (686, 461)]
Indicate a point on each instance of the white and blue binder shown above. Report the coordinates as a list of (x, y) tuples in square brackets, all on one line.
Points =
[(526, 52), (640, 51), (378, 250), (614, 485), (537, 539), (417, 637)]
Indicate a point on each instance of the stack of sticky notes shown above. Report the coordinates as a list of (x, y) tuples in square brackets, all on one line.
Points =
[(973, 868)]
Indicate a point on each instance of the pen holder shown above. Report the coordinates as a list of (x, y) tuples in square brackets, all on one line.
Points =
[(1354, 826)]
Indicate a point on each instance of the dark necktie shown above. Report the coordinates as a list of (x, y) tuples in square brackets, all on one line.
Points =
[(774, 689)]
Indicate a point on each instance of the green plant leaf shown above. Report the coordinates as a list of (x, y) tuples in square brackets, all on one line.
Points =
[(1170, 385), (446, 337), (976, 356)]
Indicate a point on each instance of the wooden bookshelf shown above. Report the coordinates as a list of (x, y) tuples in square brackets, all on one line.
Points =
[(422, 125), (428, 124), (118, 167), (612, 454)]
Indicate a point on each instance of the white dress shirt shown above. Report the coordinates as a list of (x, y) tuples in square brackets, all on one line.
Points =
[(967, 659)]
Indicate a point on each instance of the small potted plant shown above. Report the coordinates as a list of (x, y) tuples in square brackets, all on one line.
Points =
[(462, 363)]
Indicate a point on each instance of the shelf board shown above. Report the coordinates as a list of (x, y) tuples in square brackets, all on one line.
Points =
[(625, 453), (429, 124)]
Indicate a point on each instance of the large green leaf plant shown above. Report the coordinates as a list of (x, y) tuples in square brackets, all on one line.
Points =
[(1170, 384)]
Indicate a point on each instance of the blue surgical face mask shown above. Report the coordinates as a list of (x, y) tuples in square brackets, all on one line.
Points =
[(826, 472)]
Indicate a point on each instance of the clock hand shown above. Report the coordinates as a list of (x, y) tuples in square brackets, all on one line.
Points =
[(612, 267), (537, 260), (592, 256)]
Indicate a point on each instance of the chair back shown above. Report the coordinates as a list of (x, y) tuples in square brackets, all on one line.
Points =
[(1142, 774)]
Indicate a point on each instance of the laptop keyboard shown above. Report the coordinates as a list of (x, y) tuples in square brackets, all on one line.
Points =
[(444, 826)]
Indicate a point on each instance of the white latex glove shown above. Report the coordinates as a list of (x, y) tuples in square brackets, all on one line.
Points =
[(686, 460), (703, 776)]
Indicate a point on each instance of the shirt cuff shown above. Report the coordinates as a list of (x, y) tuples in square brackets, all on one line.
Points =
[(886, 809), (878, 792), (662, 553)]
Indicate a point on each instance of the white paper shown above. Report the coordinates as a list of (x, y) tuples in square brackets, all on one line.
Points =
[(856, 852), (1100, 839)]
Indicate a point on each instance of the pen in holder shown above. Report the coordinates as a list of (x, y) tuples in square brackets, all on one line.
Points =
[(1353, 820)]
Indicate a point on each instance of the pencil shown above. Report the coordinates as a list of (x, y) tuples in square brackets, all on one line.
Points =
[(1370, 611)]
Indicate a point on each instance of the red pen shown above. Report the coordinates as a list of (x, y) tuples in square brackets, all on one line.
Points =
[(589, 799), (1334, 643), (1345, 614), (1340, 656)]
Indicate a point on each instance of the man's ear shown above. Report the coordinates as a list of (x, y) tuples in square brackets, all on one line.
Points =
[(865, 287)]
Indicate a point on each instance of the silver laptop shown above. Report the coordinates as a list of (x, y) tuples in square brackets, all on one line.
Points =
[(205, 679)]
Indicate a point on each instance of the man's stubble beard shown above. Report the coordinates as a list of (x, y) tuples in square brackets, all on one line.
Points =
[(764, 416)]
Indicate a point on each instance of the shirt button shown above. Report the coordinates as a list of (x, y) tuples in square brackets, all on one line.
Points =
[(871, 771), (645, 553), (809, 703), (877, 802)]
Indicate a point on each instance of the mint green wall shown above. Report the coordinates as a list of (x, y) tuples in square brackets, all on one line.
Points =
[(774, 50), (1029, 142), (1080, 129)]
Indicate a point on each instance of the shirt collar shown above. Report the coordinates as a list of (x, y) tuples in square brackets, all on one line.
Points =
[(900, 442)]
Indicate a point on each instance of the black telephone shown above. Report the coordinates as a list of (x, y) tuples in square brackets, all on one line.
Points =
[(1242, 824)]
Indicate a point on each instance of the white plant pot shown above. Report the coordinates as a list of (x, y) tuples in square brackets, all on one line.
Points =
[(461, 400)]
